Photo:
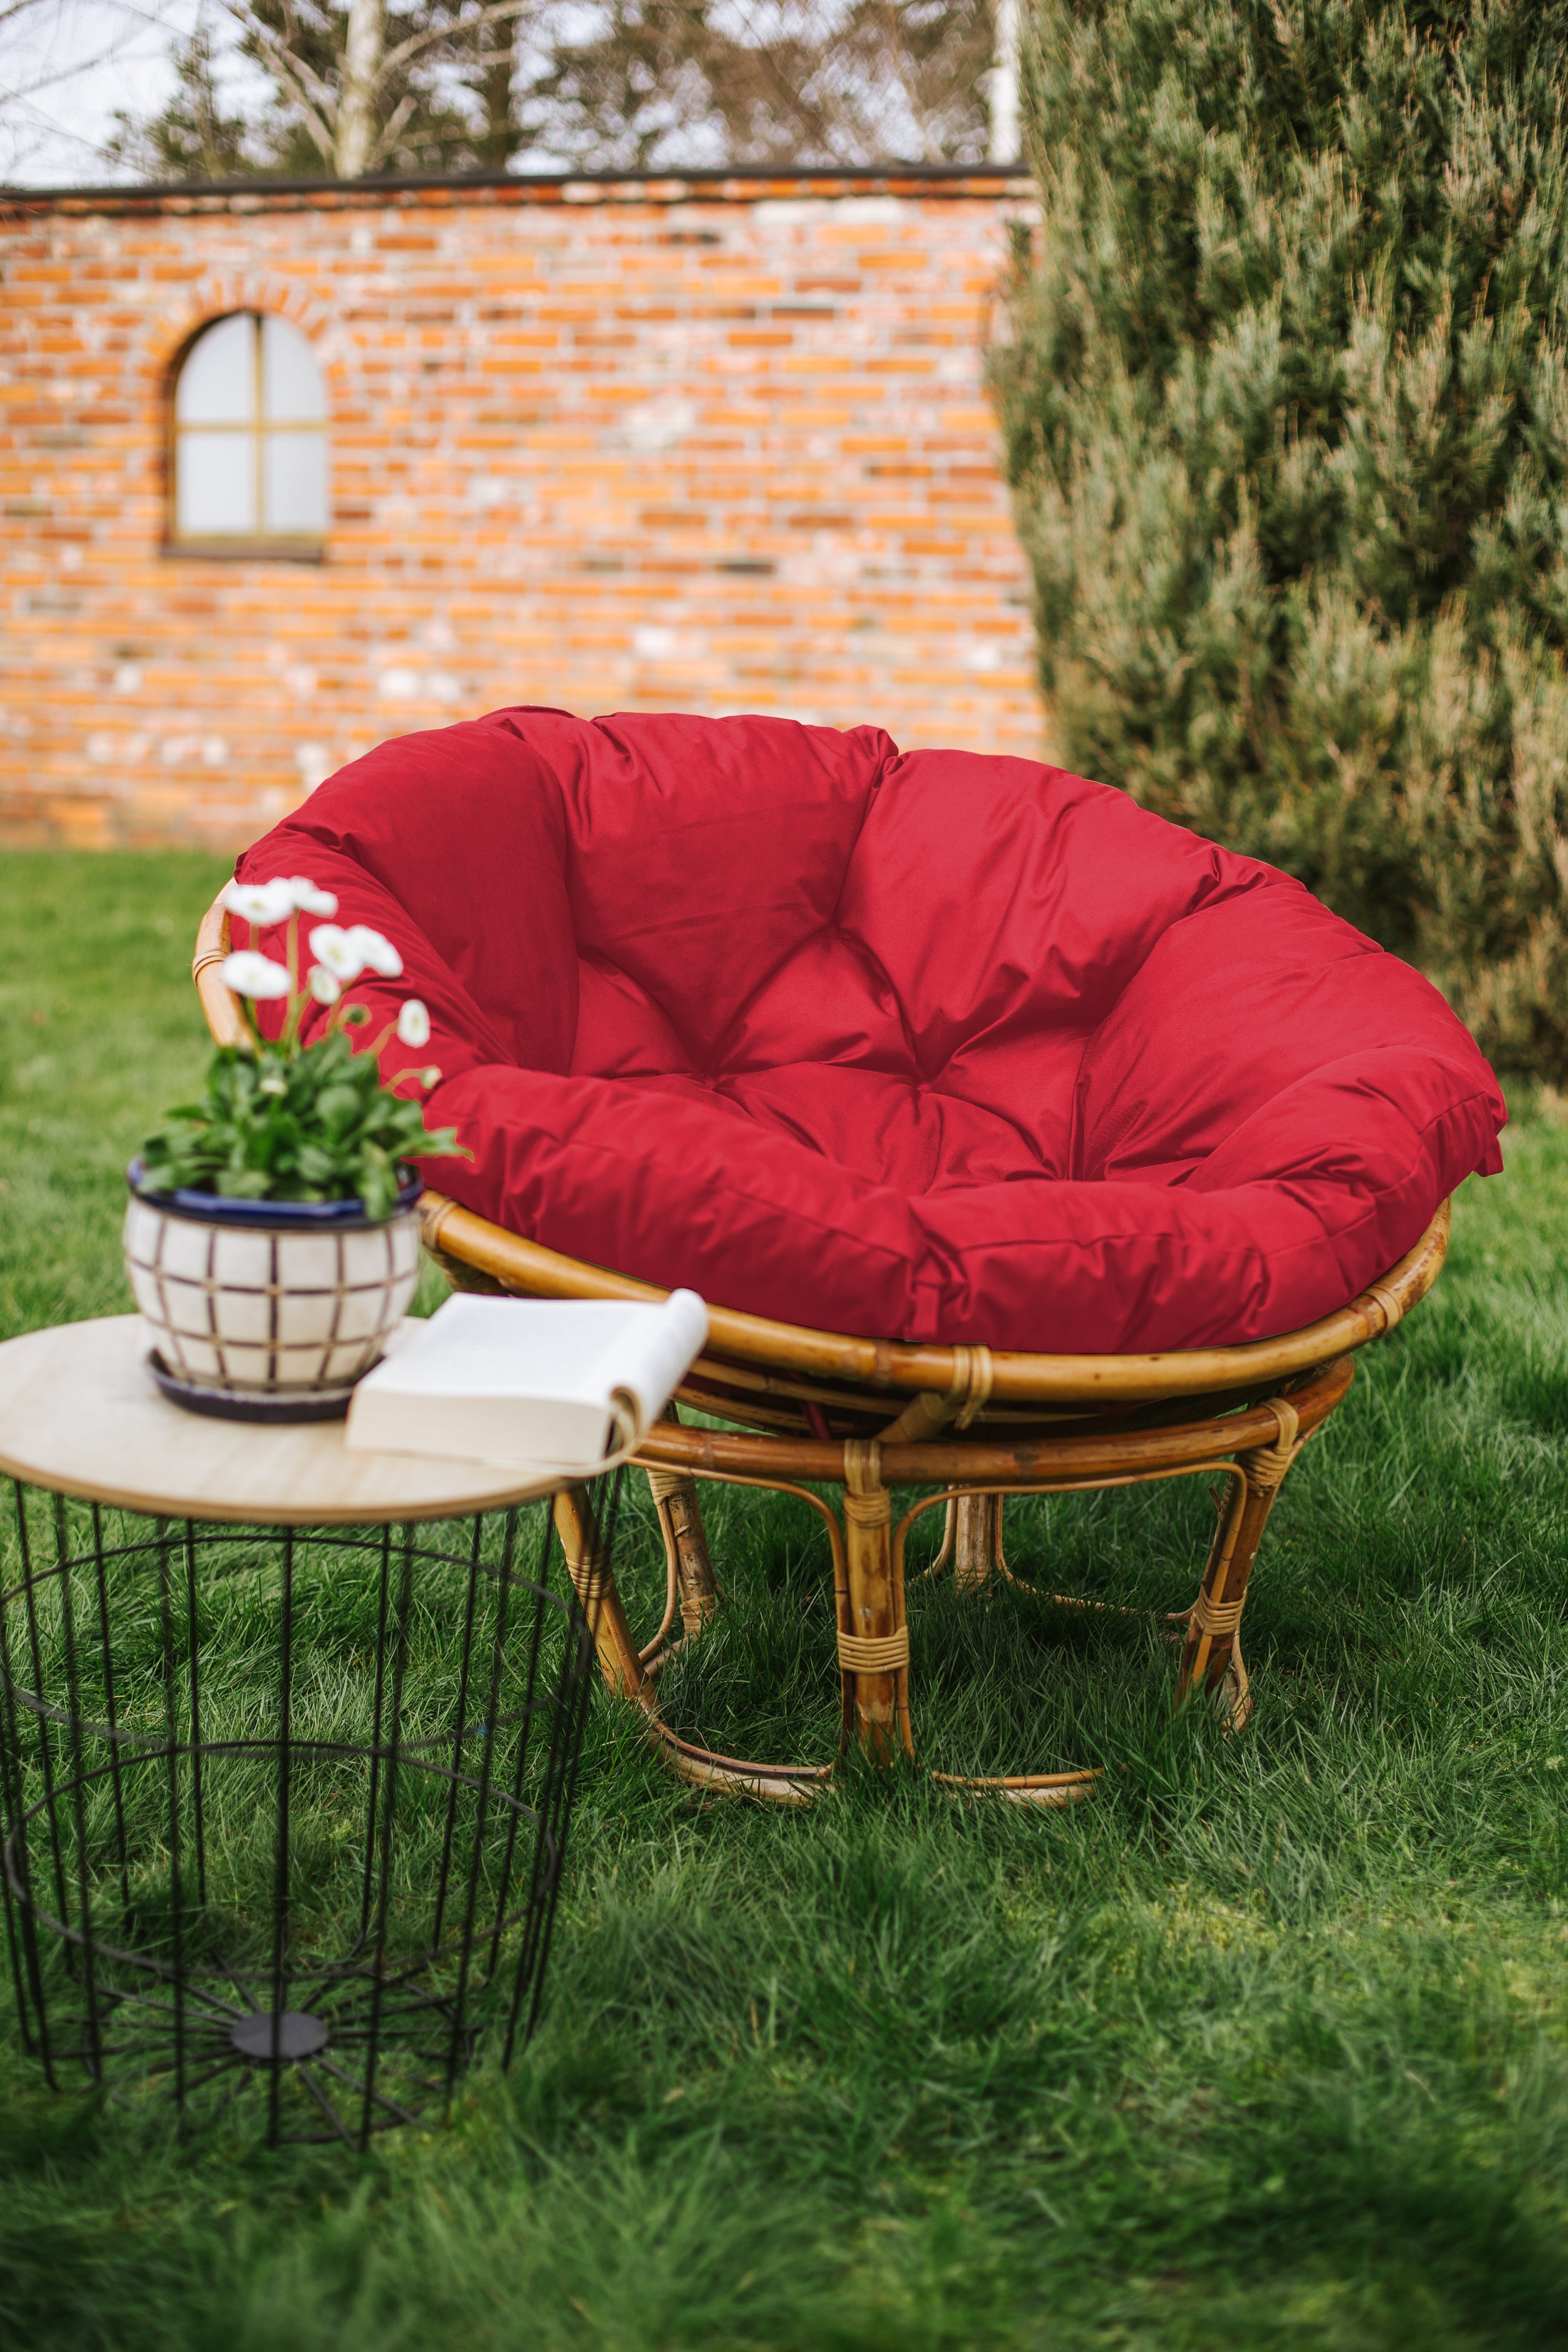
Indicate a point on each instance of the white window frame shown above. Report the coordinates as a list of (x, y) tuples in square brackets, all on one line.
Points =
[(293, 546)]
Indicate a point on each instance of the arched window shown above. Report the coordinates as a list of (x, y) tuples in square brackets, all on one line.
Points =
[(250, 458)]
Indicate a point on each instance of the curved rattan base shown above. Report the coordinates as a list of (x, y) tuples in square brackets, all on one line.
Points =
[(803, 1409), (1248, 1448)]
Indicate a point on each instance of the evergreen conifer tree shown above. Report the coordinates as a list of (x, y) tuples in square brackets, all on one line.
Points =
[(347, 86), (1285, 395), (646, 83), (196, 135)]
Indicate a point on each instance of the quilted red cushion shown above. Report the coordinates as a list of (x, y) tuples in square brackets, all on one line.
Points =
[(924, 1046)]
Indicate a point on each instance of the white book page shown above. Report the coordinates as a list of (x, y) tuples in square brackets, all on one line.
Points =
[(517, 1380), (510, 1347), (644, 1364)]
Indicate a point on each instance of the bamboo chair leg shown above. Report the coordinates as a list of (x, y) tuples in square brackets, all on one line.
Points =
[(976, 1546), (1211, 1656), (874, 1645), (596, 1586), (684, 1543), (693, 1563)]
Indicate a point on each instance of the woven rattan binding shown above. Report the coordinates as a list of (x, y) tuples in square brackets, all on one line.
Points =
[(1388, 1301), (1266, 1466), (874, 1654), (1215, 1618)]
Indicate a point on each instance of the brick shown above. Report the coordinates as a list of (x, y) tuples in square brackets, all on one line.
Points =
[(560, 418)]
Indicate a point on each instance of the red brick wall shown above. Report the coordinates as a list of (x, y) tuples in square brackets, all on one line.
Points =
[(708, 447)]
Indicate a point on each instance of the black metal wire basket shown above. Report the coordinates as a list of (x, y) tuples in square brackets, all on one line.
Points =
[(285, 1810)]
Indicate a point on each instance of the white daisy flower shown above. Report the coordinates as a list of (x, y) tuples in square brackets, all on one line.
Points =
[(260, 903), (250, 974)]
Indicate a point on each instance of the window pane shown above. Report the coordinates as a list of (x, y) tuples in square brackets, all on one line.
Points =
[(216, 476), (217, 382), (296, 483), (291, 390)]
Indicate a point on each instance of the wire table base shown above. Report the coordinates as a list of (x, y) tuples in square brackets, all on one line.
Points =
[(285, 1810)]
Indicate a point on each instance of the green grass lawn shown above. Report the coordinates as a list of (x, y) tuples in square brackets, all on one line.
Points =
[(1265, 2046)]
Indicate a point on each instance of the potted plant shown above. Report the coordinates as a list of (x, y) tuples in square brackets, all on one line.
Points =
[(271, 1239)]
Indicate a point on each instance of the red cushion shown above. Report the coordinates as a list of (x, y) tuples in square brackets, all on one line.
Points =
[(917, 1046)]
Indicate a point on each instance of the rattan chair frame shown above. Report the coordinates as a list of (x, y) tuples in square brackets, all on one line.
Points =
[(806, 1407)]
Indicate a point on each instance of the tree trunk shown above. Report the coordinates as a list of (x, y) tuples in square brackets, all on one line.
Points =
[(356, 125), (1007, 137)]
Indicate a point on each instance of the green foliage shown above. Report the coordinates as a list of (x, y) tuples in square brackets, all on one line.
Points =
[(446, 108), (638, 84), (625, 85), (1268, 2045), (278, 1124), (1287, 408), (195, 135)]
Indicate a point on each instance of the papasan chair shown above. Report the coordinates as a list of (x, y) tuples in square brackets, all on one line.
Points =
[(1021, 1142)]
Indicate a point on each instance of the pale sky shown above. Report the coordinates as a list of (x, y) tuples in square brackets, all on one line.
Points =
[(65, 67)]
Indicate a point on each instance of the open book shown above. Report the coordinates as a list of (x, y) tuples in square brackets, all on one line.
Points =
[(527, 1382)]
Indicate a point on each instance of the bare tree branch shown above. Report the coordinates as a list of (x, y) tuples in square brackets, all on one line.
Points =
[(501, 12), (318, 123), (445, 84), (309, 90), (396, 123)]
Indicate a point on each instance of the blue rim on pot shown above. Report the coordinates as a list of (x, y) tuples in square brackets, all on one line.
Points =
[(305, 1216)]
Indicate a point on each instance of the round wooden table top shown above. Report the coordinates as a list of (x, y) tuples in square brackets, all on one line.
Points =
[(80, 1414)]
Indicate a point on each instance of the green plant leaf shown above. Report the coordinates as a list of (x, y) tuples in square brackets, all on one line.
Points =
[(244, 1183), (322, 1127)]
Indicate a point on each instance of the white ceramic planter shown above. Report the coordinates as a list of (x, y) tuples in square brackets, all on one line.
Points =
[(269, 1304)]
